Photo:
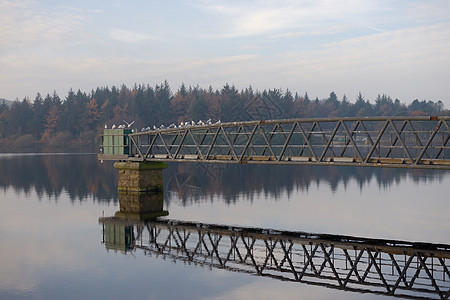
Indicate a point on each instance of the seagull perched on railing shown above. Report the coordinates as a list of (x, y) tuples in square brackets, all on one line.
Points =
[(106, 126), (114, 126), (128, 124)]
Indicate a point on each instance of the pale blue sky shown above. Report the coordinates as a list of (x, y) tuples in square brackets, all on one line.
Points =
[(400, 48)]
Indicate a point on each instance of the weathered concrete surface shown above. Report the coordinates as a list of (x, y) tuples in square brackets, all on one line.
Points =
[(140, 202), (140, 177)]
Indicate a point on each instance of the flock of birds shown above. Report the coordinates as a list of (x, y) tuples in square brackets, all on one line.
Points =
[(161, 127), (128, 125)]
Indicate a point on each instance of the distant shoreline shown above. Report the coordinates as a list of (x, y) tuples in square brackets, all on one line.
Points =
[(9, 145)]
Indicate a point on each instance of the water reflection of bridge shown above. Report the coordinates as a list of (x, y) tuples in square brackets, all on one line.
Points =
[(396, 268)]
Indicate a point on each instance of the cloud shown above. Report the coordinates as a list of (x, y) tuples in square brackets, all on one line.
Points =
[(128, 36), (262, 17), (429, 11), (404, 48), (406, 64), (24, 28)]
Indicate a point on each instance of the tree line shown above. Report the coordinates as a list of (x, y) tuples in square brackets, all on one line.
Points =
[(79, 117)]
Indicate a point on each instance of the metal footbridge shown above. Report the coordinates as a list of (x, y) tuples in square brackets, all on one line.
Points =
[(385, 267), (406, 142)]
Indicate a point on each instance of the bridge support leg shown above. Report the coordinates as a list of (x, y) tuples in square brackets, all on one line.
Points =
[(140, 189)]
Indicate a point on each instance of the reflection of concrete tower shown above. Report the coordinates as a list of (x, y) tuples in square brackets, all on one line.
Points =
[(141, 206), (140, 189)]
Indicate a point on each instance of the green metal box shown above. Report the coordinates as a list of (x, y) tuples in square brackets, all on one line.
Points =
[(116, 141)]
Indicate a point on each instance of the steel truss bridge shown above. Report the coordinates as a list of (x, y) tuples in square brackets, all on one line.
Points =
[(409, 142), (394, 268)]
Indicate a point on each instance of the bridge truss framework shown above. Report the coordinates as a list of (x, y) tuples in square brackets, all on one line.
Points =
[(411, 142)]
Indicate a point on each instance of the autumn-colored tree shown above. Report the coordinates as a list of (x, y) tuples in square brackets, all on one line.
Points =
[(52, 124), (4, 122), (93, 114)]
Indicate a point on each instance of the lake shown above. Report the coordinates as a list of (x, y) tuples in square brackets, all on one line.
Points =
[(53, 245)]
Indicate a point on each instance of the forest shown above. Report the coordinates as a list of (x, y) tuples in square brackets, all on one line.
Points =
[(77, 119)]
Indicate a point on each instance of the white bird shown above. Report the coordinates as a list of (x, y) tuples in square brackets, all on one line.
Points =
[(114, 126), (200, 123), (154, 127), (182, 124), (106, 126), (172, 126), (161, 127), (209, 122), (121, 126), (128, 124), (193, 123), (218, 122)]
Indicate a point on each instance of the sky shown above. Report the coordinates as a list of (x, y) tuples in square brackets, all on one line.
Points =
[(400, 48)]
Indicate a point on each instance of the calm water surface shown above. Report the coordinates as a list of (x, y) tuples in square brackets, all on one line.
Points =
[(51, 240)]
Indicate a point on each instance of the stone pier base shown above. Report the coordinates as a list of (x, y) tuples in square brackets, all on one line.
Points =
[(140, 189), (140, 177)]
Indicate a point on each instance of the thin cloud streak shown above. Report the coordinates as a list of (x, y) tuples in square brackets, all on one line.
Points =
[(261, 17), (128, 36)]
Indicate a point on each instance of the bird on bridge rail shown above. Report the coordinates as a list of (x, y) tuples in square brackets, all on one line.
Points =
[(128, 124), (173, 125)]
